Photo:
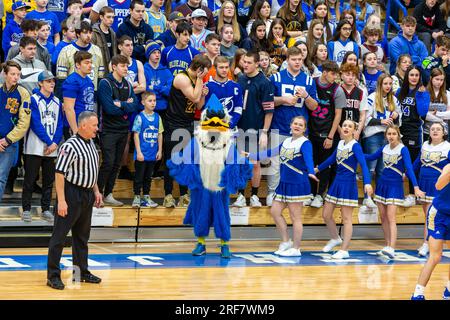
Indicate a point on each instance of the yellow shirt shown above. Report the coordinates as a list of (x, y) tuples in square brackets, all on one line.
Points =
[(7, 8)]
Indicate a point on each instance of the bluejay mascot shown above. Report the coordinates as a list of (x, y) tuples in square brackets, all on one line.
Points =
[(212, 169)]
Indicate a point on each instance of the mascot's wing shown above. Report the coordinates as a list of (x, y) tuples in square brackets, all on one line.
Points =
[(237, 172), (184, 168)]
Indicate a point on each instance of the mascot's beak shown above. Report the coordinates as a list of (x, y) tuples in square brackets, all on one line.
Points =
[(215, 124)]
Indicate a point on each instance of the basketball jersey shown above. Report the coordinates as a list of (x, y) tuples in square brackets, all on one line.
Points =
[(132, 75), (321, 119), (181, 110), (198, 42), (434, 158), (341, 49), (411, 120), (121, 11), (148, 136), (351, 110), (157, 20)]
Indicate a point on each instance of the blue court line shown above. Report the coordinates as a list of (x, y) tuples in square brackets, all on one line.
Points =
[(239, 259)]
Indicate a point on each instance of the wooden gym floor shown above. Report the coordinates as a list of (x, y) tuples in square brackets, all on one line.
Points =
[(266, 282)]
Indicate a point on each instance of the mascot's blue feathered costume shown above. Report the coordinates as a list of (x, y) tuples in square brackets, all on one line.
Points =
[(212, 169)]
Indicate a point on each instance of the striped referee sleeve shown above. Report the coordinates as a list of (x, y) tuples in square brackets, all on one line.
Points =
[(66, 156)]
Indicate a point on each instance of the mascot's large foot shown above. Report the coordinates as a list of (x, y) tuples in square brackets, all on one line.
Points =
[(199, 250), (225, 252)]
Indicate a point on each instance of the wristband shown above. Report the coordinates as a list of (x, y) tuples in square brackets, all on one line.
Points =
[(330, 138), (307, 96)]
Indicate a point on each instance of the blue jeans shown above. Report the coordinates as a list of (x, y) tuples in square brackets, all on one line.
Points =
[(370, 145), (7, 158)]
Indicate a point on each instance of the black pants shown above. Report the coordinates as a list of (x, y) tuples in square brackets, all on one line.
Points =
[(112, 145), (79, 213), (413, 144), (168, 146), (143, 176), (32, 165), (320, 154)]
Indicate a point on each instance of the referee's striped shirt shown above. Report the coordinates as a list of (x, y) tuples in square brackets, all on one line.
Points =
[(78, 161)]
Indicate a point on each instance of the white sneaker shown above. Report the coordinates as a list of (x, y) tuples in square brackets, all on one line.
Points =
[(240, 201), (341, 254), (292, 252), (254, 201), (388, 252), (423, 250), (317, 201), (380, 253), (409, 201), (111, 201), (368, 202), (331, 244), (284, 246), (269, 198), (307, 203)]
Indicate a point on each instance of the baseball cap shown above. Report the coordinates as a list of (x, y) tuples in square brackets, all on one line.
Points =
[(45, 75), (198, 13), (176, 15), (151, 46), (19, 4)]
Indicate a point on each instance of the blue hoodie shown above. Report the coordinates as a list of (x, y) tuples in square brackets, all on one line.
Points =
[(159, 81), (400, 45)]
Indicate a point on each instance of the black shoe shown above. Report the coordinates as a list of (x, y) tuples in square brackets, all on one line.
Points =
[(90, 278), (55, 283)]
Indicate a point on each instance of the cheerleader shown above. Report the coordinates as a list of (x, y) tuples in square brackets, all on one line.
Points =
[(438, 224), (434, 156), (344, 189), (389, 190), (296, 166)]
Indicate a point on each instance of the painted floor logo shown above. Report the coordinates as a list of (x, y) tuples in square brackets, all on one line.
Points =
[(186, 260)]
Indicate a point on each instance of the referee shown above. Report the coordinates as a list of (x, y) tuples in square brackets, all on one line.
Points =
[(76, 191)]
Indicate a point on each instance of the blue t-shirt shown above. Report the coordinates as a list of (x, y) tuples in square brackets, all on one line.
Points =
[(48, 16), (285, 84), (50, 47), (61, 45), (82, 90), (177, 60), (59, 8), (371, 81)]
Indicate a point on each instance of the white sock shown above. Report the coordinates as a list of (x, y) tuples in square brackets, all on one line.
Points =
[(448, 285), (419, 291)]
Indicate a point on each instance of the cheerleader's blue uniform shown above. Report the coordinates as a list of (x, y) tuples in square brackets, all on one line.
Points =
[(438, 217), (431, 162), (296, 162), (344, 189), (389, 189)]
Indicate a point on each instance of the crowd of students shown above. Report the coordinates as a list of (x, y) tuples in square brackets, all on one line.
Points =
[(316, 80)]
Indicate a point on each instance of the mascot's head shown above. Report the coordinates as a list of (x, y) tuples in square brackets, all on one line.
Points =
[(215, 117), (214, 132)]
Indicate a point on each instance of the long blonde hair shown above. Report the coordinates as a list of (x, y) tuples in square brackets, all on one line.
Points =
[(379, 105), (221, 22)]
